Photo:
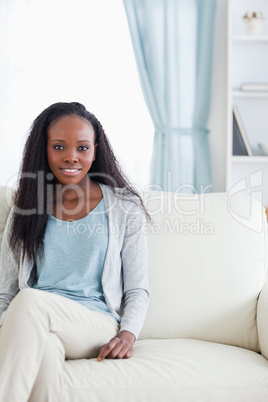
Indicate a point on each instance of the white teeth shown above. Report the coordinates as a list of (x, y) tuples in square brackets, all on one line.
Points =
[(71, 170)]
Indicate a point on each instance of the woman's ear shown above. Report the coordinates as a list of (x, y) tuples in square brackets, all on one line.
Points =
[(95, 151)]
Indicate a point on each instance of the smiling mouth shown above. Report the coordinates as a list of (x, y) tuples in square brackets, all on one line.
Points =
[(70, 171)]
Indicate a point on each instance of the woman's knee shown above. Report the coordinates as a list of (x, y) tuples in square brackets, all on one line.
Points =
[(26, 300), (26, 296), (24, 309)]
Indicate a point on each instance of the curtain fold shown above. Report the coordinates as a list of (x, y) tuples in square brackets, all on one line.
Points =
[(172, 42)]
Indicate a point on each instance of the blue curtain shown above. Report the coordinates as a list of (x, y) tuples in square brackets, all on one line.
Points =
[(172, 41)]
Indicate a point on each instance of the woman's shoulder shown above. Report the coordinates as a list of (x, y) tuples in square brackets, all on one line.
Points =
[(121, 198), (118, 192), (9, 217)]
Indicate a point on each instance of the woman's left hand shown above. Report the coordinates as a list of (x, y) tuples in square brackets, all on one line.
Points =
[(119, 347)]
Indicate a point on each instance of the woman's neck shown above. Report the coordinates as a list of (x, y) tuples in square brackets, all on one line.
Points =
[(75, 203), (74, 192)]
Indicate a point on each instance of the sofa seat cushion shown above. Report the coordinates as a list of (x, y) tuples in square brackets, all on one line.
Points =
[(171, 370)]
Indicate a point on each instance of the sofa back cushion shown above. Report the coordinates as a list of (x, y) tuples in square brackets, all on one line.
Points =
[(207, 265)]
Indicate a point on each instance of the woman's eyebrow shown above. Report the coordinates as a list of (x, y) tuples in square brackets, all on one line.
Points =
[(76, 141)]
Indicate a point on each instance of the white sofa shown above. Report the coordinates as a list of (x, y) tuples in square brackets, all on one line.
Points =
[(205, 337)]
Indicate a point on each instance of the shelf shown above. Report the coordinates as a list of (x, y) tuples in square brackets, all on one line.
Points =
[(247, 63), (248, 94), (250, 38), (250, 159)]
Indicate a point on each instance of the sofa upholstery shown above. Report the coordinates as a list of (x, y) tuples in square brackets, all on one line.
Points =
[(205, 337)]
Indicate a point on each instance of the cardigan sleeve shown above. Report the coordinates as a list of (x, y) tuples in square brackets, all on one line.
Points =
[(135, 272), (9, 269)]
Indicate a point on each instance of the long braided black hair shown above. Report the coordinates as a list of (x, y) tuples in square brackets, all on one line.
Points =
[(30, 215)]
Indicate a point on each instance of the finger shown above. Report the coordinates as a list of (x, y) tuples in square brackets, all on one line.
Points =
[(103, 353), (124, 351), (99, 357), (128, 354), (116, 350), (105, 349)]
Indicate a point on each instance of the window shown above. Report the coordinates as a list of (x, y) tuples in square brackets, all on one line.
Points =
[(73, 51)]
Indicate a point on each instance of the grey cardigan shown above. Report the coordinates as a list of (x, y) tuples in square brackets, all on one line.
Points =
[(125, 272)]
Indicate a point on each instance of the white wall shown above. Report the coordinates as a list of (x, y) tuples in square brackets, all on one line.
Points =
[(89, 60), (15, 123)]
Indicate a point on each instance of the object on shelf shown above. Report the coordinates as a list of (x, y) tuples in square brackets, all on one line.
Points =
[(251, 86), (266, 211), (263, 148), (253, 22), (238, 143), (238, 128)]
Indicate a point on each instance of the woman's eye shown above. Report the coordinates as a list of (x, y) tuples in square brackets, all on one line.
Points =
[(58, 147), (83, 148)]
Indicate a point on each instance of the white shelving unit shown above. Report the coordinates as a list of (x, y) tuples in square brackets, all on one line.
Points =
[(247, 62)]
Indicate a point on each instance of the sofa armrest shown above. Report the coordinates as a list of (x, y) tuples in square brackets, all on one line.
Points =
[(262, 321)]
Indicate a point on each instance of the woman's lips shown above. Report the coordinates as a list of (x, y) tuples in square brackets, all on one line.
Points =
[(70, 171)]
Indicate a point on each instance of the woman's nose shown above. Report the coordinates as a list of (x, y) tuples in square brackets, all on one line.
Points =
[(71, 157)]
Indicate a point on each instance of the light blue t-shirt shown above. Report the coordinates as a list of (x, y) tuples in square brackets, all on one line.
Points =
[(73, 259)]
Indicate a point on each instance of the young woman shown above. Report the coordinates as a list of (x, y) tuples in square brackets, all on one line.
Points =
[(73, 274)]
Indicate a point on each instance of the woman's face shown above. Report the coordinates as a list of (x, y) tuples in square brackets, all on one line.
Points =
[(71, 149)]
